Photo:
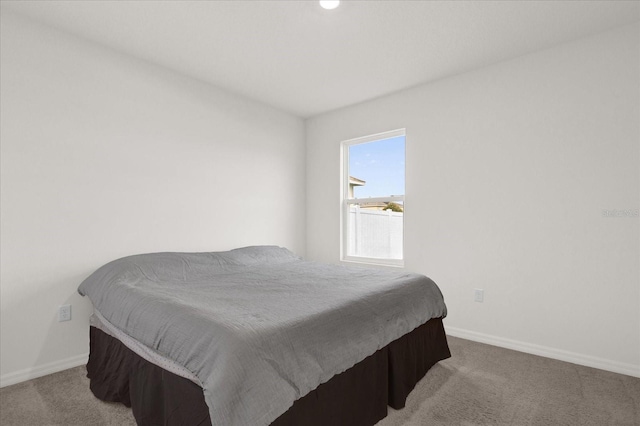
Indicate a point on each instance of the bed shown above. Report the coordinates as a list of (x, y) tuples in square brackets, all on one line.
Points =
[(258, 336)]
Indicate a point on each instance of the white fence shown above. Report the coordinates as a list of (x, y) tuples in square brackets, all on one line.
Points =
[(375, 233)]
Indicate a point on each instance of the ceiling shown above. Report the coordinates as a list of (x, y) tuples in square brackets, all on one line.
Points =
[(305, 60)]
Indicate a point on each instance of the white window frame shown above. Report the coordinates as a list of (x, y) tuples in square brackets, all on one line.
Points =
[(346, 202)]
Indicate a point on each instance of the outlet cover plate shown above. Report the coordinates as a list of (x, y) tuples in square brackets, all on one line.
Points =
[(64, 313)]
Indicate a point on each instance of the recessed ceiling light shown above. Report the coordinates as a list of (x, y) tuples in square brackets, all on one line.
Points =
[(329, 4)]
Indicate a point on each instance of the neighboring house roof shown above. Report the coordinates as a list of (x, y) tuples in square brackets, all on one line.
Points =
[(379, 205), (356, 182)]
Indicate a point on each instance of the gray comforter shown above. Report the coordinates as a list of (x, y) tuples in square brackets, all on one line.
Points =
[(259, 326)]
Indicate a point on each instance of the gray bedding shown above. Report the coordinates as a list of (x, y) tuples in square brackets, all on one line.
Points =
[(258, 326)]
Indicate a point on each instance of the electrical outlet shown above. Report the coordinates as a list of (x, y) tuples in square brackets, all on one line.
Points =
[(478, 295), (64, 313)]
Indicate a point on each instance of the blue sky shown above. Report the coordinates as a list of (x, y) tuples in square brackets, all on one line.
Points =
[(381, 165)]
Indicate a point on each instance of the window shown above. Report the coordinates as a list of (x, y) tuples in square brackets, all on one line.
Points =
[(372, 222)]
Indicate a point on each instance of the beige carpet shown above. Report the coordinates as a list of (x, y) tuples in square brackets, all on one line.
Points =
[(479, 385)]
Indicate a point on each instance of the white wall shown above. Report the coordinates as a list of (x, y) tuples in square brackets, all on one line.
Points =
[(103, 156), (508, 171)]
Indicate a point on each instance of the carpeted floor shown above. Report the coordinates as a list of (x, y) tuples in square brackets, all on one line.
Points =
[(479, 385)]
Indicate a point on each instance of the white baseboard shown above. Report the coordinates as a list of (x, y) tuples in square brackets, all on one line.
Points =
[(42, 370), (573, 357)]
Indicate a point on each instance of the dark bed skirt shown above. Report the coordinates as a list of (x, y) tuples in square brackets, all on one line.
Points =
[(357, 397)]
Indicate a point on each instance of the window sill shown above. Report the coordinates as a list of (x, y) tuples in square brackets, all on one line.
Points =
[(368, 261)]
